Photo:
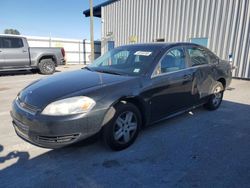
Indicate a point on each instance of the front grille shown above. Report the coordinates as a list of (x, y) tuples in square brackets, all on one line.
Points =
[(58, 139), (26, 106)]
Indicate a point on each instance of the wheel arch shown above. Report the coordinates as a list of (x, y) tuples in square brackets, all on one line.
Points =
[(223, 81), (47, 57), (131, 99), (140, 105)]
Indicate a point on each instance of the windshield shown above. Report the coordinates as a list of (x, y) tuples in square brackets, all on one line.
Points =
[(128, 60)]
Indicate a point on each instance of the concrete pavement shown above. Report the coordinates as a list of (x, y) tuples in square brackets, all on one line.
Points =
[(198, 149)]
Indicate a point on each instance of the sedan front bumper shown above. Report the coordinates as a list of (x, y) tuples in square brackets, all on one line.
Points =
[(55, 131)]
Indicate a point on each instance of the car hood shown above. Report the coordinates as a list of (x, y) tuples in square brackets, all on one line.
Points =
[(42, 92)]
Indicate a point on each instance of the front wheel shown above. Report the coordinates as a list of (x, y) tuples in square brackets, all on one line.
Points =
[(215, 99), (46, 66), (124, 127)]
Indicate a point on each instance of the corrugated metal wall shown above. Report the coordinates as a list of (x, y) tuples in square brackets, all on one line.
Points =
[(226, 24)]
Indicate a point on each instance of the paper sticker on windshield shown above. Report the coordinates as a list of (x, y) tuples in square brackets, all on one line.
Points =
[(143, 53), (136, 70)]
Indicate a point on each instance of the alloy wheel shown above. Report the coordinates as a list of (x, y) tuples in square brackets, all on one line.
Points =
[(125, 127), (48, 67), (217, 96)]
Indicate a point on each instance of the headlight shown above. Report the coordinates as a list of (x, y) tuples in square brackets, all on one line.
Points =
[(69, 106)]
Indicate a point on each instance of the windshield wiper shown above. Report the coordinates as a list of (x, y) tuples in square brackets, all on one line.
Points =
[(87, 68), (102, 71), (108, 72)]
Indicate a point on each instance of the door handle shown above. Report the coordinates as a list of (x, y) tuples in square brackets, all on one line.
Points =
[(24, 51)]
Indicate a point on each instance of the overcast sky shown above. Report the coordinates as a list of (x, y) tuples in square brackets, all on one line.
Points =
[(58, 18)]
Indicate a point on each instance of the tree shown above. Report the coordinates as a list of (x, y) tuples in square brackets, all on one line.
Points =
[(11, 31)]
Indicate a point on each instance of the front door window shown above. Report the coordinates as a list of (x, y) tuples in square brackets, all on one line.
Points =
[(173, 60)]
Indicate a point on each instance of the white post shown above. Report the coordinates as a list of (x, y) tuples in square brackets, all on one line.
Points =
[(91, 30)]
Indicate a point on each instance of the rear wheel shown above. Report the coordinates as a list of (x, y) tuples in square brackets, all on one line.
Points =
[(124, 127), (46, 66), (216, 98)]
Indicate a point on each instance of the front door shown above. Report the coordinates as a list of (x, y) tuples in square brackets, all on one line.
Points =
[(199, 60), (171, 85)]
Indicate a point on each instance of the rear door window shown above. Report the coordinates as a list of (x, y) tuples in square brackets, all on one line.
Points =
[(198, 56), (10, 42)]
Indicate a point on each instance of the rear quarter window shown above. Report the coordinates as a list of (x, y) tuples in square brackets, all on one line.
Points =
[(198, 56), (213, 58), (10, 42)]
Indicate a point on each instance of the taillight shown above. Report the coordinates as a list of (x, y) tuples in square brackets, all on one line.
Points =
[(63, 52)]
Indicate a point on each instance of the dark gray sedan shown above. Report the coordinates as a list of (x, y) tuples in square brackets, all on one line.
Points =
[(124, 90)]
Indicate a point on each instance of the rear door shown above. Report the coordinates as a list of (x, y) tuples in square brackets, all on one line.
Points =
[(199, 60), (1, 54), (15, 51)]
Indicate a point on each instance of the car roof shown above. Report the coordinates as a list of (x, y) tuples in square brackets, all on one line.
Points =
[(161, 44), (167, 45)]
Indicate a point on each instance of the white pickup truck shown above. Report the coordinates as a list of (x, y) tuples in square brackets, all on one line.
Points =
[(15, 54)]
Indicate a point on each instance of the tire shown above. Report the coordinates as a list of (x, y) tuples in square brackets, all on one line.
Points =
[(123, 128), (46, 66), (215, 99)]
